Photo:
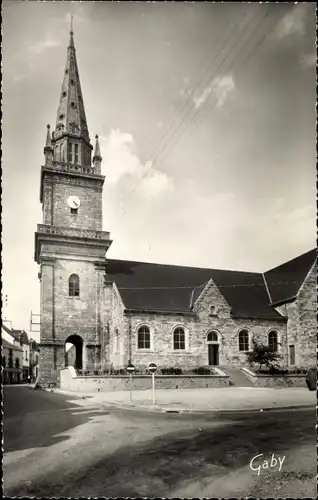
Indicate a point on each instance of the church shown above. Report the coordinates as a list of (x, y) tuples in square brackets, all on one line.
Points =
[(114, 311)]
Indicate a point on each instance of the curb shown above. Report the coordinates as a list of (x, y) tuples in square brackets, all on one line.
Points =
[(159, 409)]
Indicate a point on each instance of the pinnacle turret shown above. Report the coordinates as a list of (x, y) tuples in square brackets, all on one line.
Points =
[(97, 158), (48, 149)]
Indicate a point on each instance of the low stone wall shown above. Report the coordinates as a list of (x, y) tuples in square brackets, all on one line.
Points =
[(263, 380), (70, 381)]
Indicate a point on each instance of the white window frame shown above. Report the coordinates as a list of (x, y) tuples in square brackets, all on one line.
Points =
[(186, 338), (144, 349), (249, 333), (212, 330), (278, 338)]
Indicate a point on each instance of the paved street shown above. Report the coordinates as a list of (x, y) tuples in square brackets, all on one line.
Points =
[(56, 445)]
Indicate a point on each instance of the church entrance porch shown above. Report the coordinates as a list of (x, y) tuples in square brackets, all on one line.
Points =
[(74, 352), (213, 348), (213, 352)]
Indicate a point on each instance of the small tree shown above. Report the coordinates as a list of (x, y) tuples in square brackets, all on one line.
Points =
[(262, 354)]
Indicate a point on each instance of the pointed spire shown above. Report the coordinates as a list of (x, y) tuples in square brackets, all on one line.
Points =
[(71, 44), (71, 124), (48, 149), (97, 148), (48, 143), (97, 158)]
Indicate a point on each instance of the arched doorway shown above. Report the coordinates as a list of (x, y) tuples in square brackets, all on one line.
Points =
[(74, 352), (212, 339)]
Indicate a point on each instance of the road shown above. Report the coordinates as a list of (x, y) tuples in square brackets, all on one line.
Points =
[(59, 446)]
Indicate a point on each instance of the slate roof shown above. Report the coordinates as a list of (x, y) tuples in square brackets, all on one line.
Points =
[(158, 287), (285, 280), (7, 344), (18, 333)]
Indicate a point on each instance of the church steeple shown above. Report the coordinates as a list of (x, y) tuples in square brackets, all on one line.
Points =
[(70, 139)]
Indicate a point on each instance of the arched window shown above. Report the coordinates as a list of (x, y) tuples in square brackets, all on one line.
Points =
[(212, 337), (116, 340), (179, 338), (273, 340), (73, 286), (243, 340), (143, 337), (213, 310)]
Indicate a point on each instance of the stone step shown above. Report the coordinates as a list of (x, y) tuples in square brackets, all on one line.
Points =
[(236, 377)]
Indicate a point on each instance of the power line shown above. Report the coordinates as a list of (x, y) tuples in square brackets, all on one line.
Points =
[(191, 287), (215, 72), (216, 83), (199, 110), (143, 176), (189, 96)]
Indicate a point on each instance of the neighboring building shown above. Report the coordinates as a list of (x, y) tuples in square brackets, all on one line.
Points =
[(22, 337), (12, 359), (30, 349), (119, 311), (34, 360)]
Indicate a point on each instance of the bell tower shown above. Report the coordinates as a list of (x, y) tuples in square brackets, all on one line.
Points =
[(70, 244)]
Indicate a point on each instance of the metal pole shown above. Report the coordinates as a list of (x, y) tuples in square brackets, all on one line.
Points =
[(153, 389), (130, 376)]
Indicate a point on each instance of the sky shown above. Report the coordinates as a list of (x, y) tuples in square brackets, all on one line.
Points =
[(206, 117)]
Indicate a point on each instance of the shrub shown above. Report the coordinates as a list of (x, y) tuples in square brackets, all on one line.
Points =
[(263, 355), (202, 370), (171, 370), (167, 370)]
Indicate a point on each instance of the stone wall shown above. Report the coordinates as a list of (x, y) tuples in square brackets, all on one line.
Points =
[(302, 322), (260, 380), (196, 327), (139, 382), (58, 187)]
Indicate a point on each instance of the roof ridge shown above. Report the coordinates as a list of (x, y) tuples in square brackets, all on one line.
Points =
[(183, 266), (291, 260)]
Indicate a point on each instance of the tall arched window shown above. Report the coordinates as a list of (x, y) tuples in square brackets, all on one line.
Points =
[(73, 286), (273, 340), (116, 340), (179, 338), (243, 340), (143, 337), (212, 337)]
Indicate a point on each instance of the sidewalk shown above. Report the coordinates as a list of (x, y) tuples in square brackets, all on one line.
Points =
[(203, 400)]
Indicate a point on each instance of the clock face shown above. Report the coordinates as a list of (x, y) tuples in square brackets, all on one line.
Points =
[(73, 202)]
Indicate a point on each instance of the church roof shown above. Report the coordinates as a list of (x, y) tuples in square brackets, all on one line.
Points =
[(158, 287), (285, 280), (71, 112)]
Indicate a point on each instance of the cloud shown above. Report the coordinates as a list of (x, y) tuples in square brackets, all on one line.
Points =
[(220, 87), (293, 23), (308, 60), (42, 45), (123, 165)]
